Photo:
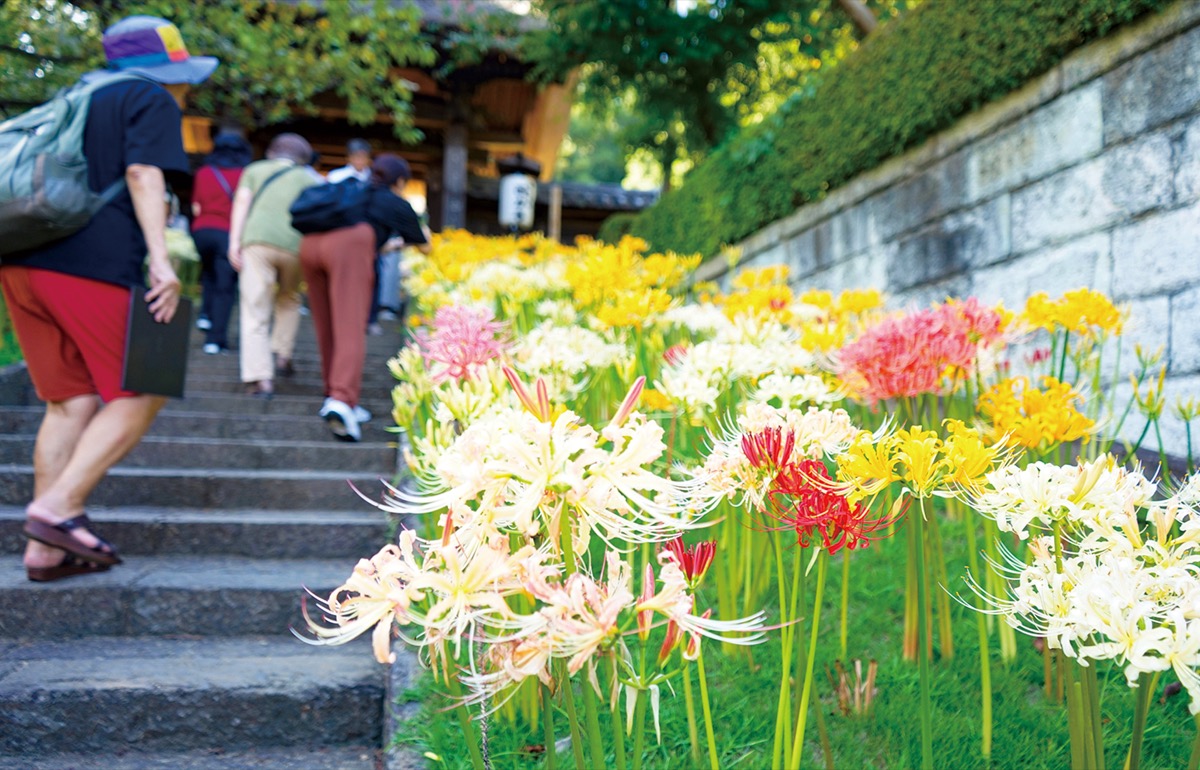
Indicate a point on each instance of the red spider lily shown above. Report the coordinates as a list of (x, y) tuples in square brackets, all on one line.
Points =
[(674, 354), (693, 561), (803, 499), (769, 448)]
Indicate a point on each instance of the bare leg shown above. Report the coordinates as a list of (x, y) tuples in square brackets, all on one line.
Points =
[(107, 437), (57, 437)]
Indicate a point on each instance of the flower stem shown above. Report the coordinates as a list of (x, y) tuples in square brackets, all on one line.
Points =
[(690, 702), (618, 739), (783, 717), (548, 728), (985, 658), (591, 714), (464, 722), (572, 718), (798, 737), (1140, 709), (922, 657), (708, 724), (844, 635), (639, 729)]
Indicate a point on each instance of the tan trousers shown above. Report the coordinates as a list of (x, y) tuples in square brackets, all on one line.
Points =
[(263, 268)]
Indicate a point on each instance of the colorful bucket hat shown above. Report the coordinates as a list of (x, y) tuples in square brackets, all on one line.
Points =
[(153, 47)]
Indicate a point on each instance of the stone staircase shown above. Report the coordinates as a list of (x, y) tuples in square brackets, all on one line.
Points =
[(182, 657)]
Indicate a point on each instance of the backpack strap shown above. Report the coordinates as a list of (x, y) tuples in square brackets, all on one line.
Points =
[(221, 180), (88, 85)]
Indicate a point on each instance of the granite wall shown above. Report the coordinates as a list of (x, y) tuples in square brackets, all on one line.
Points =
[(1087, 176)]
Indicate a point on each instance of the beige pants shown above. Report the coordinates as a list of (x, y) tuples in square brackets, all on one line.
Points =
[(264, 267)]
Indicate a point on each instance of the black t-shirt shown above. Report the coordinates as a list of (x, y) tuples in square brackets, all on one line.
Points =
[(131, 121), (390, 215)]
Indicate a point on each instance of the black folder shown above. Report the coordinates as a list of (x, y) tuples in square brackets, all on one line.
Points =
[(156, 354)]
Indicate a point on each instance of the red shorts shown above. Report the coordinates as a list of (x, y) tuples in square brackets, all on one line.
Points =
[(72, 331)]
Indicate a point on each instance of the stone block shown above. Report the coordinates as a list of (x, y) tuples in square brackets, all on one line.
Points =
[(1185, 332), (1066, 204), (1157, 254), (1159, 86), (1187, 164), (1148, 326), (929, 293), (1060, 134), (864, 271), (1139, 176), (1053, 271), (850, 233), (905, 206), (952, 245), (1120, 184)]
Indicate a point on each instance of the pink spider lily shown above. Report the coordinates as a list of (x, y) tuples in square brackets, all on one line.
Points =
[(463, 339)]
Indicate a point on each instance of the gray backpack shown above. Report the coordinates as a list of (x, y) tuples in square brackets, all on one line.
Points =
[(44, 193)]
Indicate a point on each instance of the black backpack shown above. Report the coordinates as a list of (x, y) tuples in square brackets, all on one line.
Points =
[(325, 207)]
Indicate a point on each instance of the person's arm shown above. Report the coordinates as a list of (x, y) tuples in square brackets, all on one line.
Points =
[(403, 222), (148, 189), (237, 224)]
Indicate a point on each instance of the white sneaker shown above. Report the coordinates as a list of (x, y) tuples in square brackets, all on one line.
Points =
[(203, 324), (341, 420), (386, 315), (361, 414), (212, 348)]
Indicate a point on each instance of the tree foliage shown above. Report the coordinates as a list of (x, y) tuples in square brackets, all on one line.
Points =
[(276, 57), (693, 77)]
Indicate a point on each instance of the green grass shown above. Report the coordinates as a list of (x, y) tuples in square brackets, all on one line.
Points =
[(1029, 732)]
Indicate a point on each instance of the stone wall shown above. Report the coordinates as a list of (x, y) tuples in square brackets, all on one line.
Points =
[(1087, 176)]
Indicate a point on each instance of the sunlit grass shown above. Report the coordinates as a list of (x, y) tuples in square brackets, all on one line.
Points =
[(1029, 731)]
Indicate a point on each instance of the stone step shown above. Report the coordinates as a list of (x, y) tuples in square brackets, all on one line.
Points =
[(248, 454), (212, 488), (172, 423), (377, 384), (282, 403), (197, 596), (266, 758), (260, 534), (113, 695)]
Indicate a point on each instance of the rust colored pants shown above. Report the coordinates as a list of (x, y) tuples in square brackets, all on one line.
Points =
[(339, 267)]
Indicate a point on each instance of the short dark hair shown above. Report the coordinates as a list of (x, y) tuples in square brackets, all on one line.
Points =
[(387, 168), (358, 145), (230, 150)]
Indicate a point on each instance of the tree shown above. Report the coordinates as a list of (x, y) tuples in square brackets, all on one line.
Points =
[(275, 56), (694, 71)]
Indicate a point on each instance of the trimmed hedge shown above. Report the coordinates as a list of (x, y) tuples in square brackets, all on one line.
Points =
[(912, 78)]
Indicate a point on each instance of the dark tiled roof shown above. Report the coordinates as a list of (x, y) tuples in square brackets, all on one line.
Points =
[(576, 195)]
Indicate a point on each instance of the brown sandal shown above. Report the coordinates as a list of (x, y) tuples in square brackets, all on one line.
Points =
[(59, 535), (69, 566)]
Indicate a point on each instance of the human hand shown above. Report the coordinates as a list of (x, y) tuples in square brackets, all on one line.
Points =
[(235, 257), (393, 244), (165, 288)]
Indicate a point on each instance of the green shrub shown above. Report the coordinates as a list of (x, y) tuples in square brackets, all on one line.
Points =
[(612, 229), (912, 78)]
